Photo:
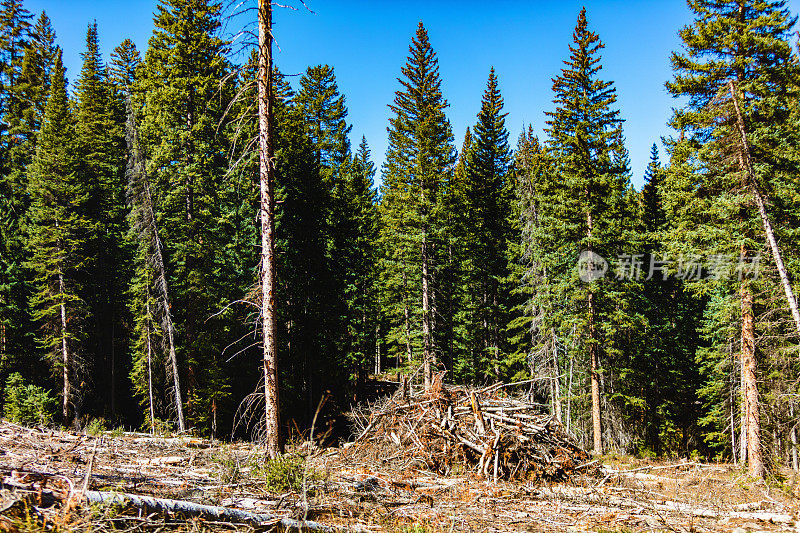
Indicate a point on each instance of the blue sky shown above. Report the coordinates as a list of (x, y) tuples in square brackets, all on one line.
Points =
[(366, 41)]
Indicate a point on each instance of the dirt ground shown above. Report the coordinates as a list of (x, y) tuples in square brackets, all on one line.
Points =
[(346, 490)]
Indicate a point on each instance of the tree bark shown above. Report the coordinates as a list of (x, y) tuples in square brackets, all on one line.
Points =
[(150, 369), (427, 355), (597, 430), (793, 438), (746, 163), (65, 356), (556, 386), (409, 351), (755, 463), (266, 180)]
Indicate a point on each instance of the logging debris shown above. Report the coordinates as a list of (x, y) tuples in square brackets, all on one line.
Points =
[(451, 429)]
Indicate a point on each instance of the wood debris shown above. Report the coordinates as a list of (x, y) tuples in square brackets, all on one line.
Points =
[(485, 430)]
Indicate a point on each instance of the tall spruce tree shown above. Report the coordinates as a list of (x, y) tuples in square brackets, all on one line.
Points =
[(485, 233), (58, 232), (418, 166), (101, 143), (356, 254), (586, 212), (730, 168), (183, 104)]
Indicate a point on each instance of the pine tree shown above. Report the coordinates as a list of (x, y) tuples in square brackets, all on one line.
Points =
[(735, 138), (486, 232), (14, 37), (587, 210), (14, 156), (58, 231), (100, 139), (418, 166), (125, 60), (323, 222), (357, 257), (179, 90)]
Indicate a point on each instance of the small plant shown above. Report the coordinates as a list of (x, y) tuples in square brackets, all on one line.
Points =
[(159, 427), (230, 469), (284, 474), (117, 432), (96, 427), (27, 404)]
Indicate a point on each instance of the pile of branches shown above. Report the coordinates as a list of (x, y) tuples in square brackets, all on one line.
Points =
[(452, 428)]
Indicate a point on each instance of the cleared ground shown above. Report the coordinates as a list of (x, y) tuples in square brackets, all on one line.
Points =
[(44, 473)]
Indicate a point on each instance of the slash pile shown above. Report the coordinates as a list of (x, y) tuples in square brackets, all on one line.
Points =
[(451, 429)]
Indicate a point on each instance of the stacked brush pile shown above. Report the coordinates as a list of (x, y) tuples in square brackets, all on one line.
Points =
[(448, 428)]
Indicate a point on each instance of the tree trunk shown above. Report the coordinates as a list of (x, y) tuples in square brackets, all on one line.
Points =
[(65, 357), (755, 464), (746, 164), (556, 386), (426, 324), (150, 369), (597, 430), (793, 438), (409, 351), (268, 319)]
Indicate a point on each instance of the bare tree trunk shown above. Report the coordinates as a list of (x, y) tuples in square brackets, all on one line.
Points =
[(173, 358), (793, 438), (556, 385), (746, 163), (266, 173), (427, 354), (65, 356), (409, 352), (377, 349), (742, 397), (569, 393), (597, 430), (755, 464), (150, 370)]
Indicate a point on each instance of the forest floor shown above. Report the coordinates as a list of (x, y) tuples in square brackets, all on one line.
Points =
[(49, 476)]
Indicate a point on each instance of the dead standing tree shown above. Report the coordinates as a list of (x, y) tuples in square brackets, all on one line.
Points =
[(145, 223), (266, 174)]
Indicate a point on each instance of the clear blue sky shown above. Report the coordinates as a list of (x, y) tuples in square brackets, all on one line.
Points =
[(366, 41)]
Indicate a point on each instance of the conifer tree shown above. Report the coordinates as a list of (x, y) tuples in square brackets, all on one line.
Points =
[(485, 233), (179, 89), (58, 231), (322, 219), (100, 140), (740, 72), (357, 257), (24, 81), (418, 166), (125, 59), (587, 209)]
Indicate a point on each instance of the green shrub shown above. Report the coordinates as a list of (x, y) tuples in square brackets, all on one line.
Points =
[(27, 404), (96, 427), (283, 474)]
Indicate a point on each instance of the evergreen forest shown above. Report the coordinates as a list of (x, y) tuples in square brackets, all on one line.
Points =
[(660, 321)]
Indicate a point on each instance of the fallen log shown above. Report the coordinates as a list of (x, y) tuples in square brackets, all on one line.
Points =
[(186, 508)]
